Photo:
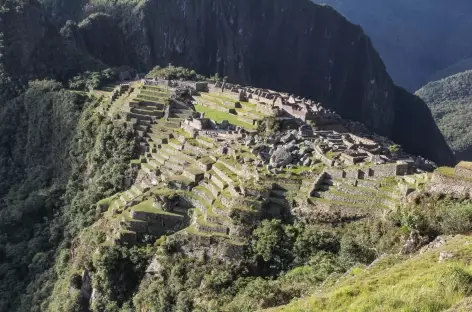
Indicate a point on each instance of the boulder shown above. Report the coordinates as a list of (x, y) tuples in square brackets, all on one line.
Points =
[(307, 162), (414, 242), (444, 255), (287, 138), (280, 158)]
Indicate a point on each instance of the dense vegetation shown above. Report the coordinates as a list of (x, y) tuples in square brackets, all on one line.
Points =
[(283, 261), (58, 158), (450, 100), (174, 73)]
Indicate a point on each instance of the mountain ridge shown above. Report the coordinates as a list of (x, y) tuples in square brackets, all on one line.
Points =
[(319, 56)]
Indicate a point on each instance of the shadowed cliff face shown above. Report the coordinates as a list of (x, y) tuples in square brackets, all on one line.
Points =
[(293, 46)]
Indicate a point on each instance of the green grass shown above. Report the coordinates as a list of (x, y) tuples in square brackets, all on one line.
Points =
[(206, 160), (332, 155), (398, 283), (302, 169), (448, 171), (219, 116), (147, 206), (194, 170), (206, 139)]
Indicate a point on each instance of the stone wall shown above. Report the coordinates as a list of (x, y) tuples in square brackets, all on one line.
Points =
[(195, 149), (463, 172), (316, 184), (383, 171), (227, 202), (335, 173), (189, 129), (451, 185)]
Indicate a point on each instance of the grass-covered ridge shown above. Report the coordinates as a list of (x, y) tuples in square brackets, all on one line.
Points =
[(399, 283)]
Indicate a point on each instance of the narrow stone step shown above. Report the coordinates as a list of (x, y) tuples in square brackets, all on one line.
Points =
[(220, 184), (222, 172), (158, 158)]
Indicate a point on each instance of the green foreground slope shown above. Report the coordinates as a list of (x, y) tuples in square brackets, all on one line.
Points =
[(399, 283)]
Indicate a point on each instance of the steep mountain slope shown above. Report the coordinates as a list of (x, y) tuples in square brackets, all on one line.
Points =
[(450, 100), (393, 283), (318, 55), (33, 48), (416, 39)]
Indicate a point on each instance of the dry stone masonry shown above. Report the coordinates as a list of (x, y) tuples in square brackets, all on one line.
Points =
[(207, 174)]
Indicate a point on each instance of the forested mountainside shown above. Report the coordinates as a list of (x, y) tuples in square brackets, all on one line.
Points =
[(64, 149), (318, 55), (419, 41), (450, 100)]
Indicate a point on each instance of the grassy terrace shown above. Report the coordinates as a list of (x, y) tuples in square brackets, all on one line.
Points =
[(332, 155), (216, 101), (365, 197), (206, 139), (219, 116), (229, 173), (447, 171), (204, 190), (147, 206), (398, 283)]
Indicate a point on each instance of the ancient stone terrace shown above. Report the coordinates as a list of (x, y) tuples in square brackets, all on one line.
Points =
[(456, 182), (202, 162), (266, 101)]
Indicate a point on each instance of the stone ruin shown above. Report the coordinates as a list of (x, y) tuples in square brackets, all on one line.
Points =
[(215, 168)]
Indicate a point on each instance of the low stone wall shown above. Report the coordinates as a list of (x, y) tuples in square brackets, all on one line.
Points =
[(205, 143), (232, 168), (216, 220), (368, 183), (195, 149), (383, 171), (189, 129), (367, 202), (195, 177), (218, 182), (463, 172), (232, 190), (172, 151), (127, 238), (203, 166), (450, 185), (212, 189), (316, 184), (173, 166), (221, 212), (203, 195), (215, 228), (152, 217), (227, 202), (135, 226), (353, 174), (222, 175), (335, 173)]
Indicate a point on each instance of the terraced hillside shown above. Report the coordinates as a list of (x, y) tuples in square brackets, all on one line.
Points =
[(216, 183), (252, 193)]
